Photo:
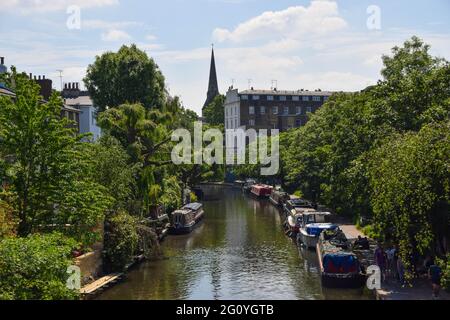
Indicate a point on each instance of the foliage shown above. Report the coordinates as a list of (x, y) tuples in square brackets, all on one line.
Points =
[(35, 268), (120, 241), (110, 167), (8, 222), (126, 76), (445, 267), (214, 113), (45, 166), (410, 183)]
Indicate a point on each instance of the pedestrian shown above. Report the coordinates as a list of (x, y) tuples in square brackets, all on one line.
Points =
[(435, 274), (390, 253), (380, 260)]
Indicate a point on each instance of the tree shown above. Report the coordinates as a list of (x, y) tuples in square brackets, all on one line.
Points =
[(214, 113), (45, 166), (35, 268), (410, 188), (128, 76)]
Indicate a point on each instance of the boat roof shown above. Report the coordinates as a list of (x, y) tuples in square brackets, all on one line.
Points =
[(260, 186), (300, 202), (310, 213), (193, 206)]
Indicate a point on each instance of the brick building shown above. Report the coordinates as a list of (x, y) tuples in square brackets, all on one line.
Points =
[(271, 109)]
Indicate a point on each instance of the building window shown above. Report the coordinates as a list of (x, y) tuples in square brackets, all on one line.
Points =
[(251, 122), (251, 110), (255, 97), (282, 98), (286, 111), (298, 110), (295, 98), (298, 123), (269, 98), (275, 110), (325, 98), (308, 109), (244, 97), (235, 123), (262, 110), (305, 98), (93, 118), (316, 98)]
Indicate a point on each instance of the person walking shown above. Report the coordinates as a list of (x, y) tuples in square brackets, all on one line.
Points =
[(380, 260), (390, 253), (435, 274)]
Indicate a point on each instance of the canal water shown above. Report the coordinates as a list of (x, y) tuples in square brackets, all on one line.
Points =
[(238, 252)]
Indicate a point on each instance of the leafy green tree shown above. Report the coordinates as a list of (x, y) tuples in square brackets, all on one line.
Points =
[(35, 268), (214, 113), (126, 76), (410, 183), (45, 167), (120, 241)]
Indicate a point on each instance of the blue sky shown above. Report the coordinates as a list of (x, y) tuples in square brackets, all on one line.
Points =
[(301, 44)]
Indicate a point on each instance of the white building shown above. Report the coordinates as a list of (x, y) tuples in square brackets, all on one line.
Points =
[(88, 115)]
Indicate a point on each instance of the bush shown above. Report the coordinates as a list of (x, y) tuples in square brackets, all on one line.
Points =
[(120, 241), (35, 268), (445, 266)]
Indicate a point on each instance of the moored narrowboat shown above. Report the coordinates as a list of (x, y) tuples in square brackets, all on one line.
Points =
[(261, 190), (313, 224), (184, 220), (295, 206), (339, 267), (278, 197), (249, 183)]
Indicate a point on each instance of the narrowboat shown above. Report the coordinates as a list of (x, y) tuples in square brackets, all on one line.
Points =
[(295, 206), (261, 190), (292, 224), (313, 224), (238, 184), (249, 183), (185, 219), (339, 267), (278, 197)]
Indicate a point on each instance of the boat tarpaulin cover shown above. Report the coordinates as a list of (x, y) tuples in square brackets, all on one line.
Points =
[(340, 262), (317, 228)]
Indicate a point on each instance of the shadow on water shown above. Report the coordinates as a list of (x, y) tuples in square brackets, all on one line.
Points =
[(238, 252)]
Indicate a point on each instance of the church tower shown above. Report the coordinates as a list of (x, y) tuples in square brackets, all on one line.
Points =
[(213, 88)]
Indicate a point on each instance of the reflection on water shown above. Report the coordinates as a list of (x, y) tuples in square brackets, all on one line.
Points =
[(238, 252)]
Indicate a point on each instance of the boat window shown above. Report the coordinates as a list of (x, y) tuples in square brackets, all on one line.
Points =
[(320, 219)]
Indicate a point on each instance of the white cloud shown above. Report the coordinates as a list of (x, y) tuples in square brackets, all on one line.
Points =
[(30, 6), (115, 35), (320, 17), (151, 37)]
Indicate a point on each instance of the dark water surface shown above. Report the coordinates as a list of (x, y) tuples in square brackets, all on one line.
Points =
[(238, 252)]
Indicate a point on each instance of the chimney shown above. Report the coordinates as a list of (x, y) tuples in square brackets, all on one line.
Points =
[(31, 76), (77, 85), (39, 77), (43, 77), (2, 60)]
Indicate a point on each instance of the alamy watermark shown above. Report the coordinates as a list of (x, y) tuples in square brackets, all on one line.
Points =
[(374, 19)]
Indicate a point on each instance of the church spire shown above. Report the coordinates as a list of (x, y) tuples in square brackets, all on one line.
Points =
[(213, 88)]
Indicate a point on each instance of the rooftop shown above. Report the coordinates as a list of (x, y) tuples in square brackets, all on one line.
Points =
[(286, 92), (80, 101)]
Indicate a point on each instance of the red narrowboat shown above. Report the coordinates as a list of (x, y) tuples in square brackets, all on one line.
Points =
[(261, 191)]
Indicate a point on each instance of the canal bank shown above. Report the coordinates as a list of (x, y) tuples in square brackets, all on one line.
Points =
[(238, 252)]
